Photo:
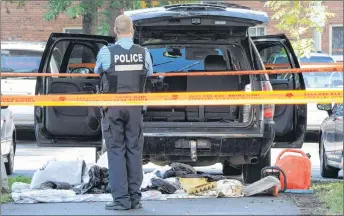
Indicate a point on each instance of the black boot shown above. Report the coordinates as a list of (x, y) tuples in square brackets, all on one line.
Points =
[(114, 206)]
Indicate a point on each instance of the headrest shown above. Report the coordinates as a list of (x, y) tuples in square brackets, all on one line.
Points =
[(215, 63)]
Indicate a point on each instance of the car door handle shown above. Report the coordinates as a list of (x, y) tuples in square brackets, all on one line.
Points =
[(88, 86)]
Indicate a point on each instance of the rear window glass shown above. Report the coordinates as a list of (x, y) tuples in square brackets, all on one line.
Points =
[(281, 60), (181, 61), (322, 79), (317, 59), (20, 60)]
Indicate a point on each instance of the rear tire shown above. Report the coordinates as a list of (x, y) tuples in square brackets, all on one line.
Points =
[(326, 171), (9, 165), (228, 170), (251, 172)]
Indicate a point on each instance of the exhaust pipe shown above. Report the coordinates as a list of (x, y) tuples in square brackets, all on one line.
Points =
[(254, 160)]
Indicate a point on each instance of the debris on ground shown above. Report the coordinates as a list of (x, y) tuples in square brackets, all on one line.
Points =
[(59, 171), (162, 186), (55, 185), (196, 185), (74, 181), (22, 194), (229, 188), (98, 181), (263, 185)]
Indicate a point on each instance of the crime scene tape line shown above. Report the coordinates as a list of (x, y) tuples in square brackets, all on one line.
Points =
[(92, 65), (306, 65), (205, 73), (185, 98)]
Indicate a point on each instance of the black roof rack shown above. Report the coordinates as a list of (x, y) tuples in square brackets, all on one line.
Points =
[(225, 4), (194, 5)]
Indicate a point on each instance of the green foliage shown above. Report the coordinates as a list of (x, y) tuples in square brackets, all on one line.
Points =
[(75, 9), (331, 194), (296, 18), (7, 197)]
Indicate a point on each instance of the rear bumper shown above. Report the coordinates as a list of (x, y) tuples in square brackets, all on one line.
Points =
[(200, 130), (161, 140), (209, 149)]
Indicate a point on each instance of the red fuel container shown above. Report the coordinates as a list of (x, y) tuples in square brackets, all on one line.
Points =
[(297, 169)]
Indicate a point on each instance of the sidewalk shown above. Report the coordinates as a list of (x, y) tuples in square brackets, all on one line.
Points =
[(234, 206)]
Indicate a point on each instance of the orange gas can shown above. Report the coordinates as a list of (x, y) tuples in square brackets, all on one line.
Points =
[(297, 169)]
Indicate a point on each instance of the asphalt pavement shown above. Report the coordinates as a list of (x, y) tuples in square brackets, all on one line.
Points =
[(29, 158)]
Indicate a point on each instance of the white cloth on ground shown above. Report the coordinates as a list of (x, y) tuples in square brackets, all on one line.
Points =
[(60, 171), (21, 193)]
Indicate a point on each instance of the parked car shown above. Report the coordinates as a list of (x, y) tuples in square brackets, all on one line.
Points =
[(8, 139), (20, 57), (315, 81), (183, 38), (331, 141)]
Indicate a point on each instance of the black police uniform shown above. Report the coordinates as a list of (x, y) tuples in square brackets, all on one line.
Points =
[(122, 126)]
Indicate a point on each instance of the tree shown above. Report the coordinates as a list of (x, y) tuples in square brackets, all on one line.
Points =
[(298, 17), (97, 17)]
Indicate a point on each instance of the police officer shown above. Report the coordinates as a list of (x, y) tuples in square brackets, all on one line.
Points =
[(123, 67)]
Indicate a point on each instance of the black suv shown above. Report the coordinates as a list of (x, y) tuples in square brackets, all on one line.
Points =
[(184, 38)]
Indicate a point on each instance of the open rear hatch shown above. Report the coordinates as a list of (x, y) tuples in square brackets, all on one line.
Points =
[(210, 36)]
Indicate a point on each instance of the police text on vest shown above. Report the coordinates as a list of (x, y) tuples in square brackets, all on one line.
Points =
[(128, 58)]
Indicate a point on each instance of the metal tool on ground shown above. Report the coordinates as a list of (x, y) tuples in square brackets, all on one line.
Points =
[(276, 172), (267, 185), (196, 185), (297, 169)]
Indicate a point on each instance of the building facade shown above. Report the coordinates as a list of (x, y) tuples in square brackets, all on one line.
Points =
[(28, 24)]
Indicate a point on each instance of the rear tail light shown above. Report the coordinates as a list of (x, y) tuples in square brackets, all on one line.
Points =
[(268, 109), (247, 108)]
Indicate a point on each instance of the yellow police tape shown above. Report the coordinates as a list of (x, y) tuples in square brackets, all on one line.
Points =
[(175, 99)]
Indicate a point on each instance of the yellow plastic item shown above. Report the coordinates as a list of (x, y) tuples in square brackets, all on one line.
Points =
[(196, 185)]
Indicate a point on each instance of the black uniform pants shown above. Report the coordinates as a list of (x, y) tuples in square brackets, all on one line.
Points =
[(122, 131)]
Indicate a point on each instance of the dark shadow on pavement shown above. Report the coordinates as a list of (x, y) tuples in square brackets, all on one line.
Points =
[(26, 136), (312, 137)]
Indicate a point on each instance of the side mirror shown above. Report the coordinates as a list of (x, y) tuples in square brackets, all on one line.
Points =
[(81, 70), (325, 107), (4, 107)]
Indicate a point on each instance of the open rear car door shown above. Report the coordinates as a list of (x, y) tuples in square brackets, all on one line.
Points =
[(290, 120), (69, 126)]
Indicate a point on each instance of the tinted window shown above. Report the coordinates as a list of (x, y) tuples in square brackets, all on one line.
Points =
[(173, 64), (20, 60), (281, 59), (81, 54), (322, 79), (317, 59)]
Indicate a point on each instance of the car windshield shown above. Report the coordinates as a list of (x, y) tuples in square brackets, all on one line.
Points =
[(322, 79), (20, 61), (184, 60)]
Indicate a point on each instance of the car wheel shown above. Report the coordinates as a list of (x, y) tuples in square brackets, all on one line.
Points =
[(325, 170), (227, 169), (252, 172), (9, 165)]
